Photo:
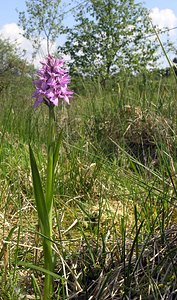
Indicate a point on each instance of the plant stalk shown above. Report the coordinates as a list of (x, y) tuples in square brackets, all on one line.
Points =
[(47, 244)]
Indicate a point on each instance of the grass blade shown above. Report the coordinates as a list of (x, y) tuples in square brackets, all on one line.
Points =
[(57, 148), (40, 269)]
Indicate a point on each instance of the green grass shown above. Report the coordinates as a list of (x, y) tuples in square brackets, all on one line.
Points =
[(115, 192)]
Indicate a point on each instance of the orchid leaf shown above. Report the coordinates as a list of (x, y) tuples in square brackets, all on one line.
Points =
[(38, 192)]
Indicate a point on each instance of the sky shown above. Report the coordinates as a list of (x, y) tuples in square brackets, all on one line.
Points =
[(162, 12)]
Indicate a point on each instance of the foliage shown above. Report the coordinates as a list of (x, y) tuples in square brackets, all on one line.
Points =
[(12, 64), (42, 20), (114, 222), (110, 36)]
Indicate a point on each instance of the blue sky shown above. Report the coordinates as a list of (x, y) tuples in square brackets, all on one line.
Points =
[(8, 8), (164, 13), (7, 11), (162, 4)]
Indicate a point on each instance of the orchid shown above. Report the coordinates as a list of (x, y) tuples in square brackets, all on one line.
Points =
[(52, 83), (51, 88)]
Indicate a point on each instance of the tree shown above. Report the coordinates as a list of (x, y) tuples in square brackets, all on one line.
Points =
[(12, 64), (42, 20), (109, 35)]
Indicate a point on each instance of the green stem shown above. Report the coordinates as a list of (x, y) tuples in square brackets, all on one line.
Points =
[(48, 265), (47, 244), (50, 169), (51, 132)]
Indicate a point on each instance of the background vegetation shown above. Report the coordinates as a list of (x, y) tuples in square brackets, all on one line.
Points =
[(115, 233)]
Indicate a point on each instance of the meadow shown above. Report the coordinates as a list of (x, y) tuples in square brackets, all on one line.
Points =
[(115, 217)]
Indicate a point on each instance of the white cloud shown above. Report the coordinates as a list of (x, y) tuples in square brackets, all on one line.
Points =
[(14, 33), (164, 18)]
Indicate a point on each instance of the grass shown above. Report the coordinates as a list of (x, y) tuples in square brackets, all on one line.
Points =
[(115, 234)]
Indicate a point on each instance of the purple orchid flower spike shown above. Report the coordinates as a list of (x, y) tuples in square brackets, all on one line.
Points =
[(52, 83)]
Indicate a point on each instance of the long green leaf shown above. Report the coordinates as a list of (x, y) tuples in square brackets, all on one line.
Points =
[(38, 193), (40, 269)]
